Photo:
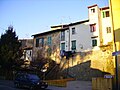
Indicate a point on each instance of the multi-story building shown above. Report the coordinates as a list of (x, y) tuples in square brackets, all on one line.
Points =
[(80, 36), (88, 38), (48, 44), (100, 26), (76, 37), (107, 33)]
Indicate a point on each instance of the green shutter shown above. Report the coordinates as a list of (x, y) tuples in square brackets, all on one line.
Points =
[(49, 40), (73, 45), (37, 42), (49, 51), (62, 46), (103, 14), (94, 43)]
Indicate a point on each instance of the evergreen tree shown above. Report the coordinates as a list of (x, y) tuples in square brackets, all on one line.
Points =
[(9, 49)]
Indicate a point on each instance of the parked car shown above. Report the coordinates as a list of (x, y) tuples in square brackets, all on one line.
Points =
[(30, 81)]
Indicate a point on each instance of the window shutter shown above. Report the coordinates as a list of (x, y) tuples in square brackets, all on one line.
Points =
[(103, 14), (37, 42)]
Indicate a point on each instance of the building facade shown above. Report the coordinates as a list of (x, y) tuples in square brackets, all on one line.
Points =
[(80, 36), (87, 38), (47, 44), (76, 37), (115, 17), (26, 46), (100, 26)]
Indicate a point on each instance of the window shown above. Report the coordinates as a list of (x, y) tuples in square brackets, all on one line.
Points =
[(105, 14), (39, 42), (73, 30), (49, 51), (63, 36), (93, 10), (30, 53), (49, 40), (93, 27), (73, 45), (108, 29), (62, 46), (94, 42)]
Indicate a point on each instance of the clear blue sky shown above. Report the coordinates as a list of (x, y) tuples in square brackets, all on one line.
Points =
[(29, 17)]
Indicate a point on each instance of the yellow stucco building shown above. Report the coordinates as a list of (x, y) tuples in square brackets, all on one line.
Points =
[(115, 16)]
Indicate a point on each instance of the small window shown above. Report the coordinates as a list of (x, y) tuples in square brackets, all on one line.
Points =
[(73, 45), (30, 53), (41, 42), (37, 42), (73, 30), (94, 42), (108, 29), (105, 14), (93, 27), (49, 40), (62, 46), (93, 10), (63, 36)]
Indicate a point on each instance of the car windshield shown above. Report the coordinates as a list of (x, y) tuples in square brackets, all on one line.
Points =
[(33, 77)]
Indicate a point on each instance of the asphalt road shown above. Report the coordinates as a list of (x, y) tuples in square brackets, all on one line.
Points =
[(71, 85), (75, 85), (9, 85)]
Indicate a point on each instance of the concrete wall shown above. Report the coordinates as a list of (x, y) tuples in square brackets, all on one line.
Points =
[(86, 65)]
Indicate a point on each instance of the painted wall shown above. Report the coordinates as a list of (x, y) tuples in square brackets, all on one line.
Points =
[(106, 22), (82, 37), (94, 18), (115, 13)]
